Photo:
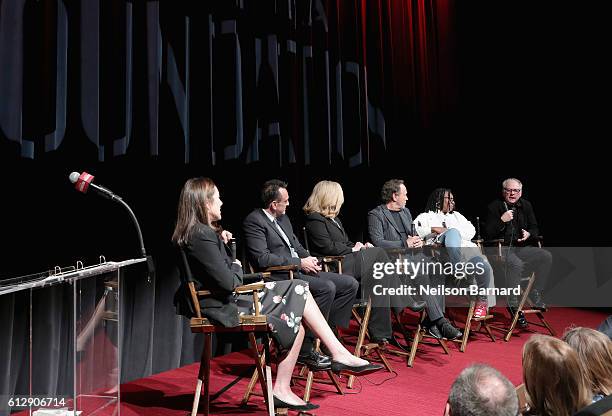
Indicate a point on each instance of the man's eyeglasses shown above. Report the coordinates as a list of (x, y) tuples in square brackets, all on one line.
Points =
[(512, 191), (450, 198)]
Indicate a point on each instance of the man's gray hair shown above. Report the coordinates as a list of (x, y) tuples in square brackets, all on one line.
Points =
[(481, 390), (505, 182)]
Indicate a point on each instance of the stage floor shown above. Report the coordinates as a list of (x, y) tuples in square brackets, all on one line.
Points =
[(421, 390)]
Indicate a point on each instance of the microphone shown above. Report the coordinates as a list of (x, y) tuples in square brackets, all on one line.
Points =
[(83, 181), (513, 209), (232, 243)]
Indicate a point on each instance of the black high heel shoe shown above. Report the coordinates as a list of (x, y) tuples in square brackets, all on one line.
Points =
[(355, 370), (278, 403)]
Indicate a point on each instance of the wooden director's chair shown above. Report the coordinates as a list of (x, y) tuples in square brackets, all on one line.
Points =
[(305, 373), (249, 325), (362, 348), (525, 305)]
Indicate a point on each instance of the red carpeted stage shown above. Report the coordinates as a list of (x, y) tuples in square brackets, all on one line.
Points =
[(421, 390)]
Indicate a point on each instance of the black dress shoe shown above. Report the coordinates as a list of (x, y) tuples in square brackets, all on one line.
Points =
[(390, 341), (315, 361), (359, 370), (448, 331), (521, 321), (278, 403), (382, 341), (537, 299), (395, 342), (434, 331)]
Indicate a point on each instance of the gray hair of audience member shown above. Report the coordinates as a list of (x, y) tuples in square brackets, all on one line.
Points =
[(481, 390)]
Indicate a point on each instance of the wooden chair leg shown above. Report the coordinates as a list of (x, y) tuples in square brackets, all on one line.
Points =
[(520, 307), (416, 337), (308, 388), (468, 326), (546, 324), (310, 378), (363, 327), (262, 373), (384, 360), (443, 345), (488, 329), (250, 387), (414, 347), (335, 381), (268, 395), (203, 378)]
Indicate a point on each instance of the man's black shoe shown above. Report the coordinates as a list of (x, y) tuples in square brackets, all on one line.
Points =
[(433, 330), (521, 321), (390, 341), (315, 361), (448, 331), (537, 299)]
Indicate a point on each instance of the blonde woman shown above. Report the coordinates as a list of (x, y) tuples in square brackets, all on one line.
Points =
[(553, 379), (595, 353)]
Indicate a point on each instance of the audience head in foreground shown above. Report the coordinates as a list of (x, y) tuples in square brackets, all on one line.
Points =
[(553, 378), (594, 351), (481, 390)]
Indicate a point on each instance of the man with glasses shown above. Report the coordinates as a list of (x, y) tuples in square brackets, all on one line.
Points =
[(513, 220), (270, 241)]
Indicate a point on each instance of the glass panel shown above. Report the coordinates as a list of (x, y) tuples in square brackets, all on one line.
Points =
[(97, 372)]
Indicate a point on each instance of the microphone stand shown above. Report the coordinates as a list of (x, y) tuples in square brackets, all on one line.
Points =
[(143, 252)]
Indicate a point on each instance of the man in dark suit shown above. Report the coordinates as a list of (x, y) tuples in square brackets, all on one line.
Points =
[(390, 226), (270, 241), (513, 220)]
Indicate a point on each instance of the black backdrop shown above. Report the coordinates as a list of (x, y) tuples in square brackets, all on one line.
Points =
[(147, 94)]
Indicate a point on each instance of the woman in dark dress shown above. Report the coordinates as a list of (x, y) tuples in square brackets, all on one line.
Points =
[(326, 237), (285, 303)]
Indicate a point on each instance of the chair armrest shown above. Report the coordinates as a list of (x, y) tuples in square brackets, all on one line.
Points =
[(495, 241), (250, 287), (290, 267), (204, 293), (254, 277), (331, 259), (478, 241)]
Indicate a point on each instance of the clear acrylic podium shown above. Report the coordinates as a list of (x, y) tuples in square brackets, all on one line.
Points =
[(68, 322)]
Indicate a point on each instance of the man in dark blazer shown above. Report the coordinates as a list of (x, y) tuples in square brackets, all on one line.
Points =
[(270, 241), (512, 219), (390, 226)]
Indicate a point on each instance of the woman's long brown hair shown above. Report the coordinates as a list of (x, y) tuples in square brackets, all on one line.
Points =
[(192, 208), (553, 380)]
